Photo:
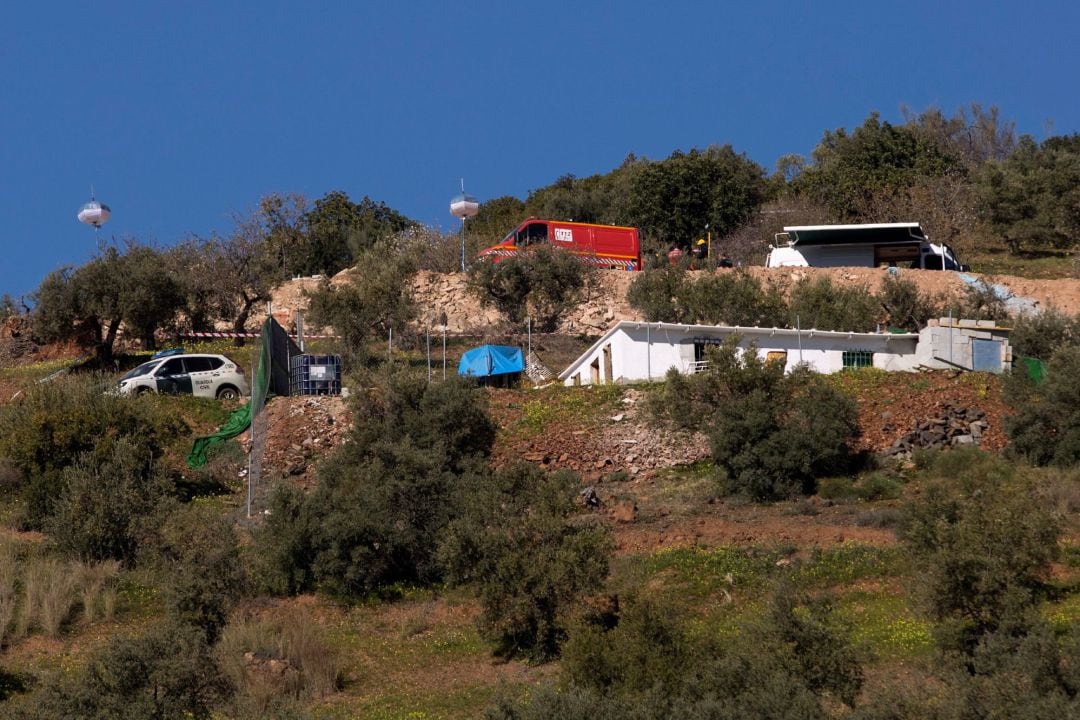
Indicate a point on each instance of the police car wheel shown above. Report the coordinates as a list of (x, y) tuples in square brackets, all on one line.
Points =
[(143, 391), (227, 393)]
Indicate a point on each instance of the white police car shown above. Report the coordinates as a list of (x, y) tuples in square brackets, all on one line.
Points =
[(174, 372)]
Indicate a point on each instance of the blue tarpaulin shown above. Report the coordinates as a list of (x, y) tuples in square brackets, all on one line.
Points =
[(488, 360)]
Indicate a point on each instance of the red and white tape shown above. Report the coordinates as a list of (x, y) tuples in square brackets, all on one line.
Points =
[(244, 335)]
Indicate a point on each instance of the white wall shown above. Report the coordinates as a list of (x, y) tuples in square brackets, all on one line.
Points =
[(939, 346), (641, 354), (839, 255)]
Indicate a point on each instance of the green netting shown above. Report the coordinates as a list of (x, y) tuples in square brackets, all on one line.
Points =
[(239, 421), (1036, 369)]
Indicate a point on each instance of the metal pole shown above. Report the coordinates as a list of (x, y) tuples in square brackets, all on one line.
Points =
[(428, 354), (648, 351), (950, 336), (798, 333), (390, 344), (251, 450), (528, 322), (462, 244), (443, 352)]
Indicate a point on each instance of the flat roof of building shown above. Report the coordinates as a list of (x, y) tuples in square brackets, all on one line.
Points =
[(870, 233)]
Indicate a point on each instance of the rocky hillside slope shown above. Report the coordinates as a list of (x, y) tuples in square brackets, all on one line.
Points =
[(606, 303)]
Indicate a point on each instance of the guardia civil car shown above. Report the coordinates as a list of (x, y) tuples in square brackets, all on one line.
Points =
[(175, 372)]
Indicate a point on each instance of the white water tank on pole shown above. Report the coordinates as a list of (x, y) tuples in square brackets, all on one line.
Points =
[(94, 213), (463, 206)]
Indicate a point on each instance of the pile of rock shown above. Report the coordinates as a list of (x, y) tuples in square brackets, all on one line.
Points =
[(951, 425), (301, 430)]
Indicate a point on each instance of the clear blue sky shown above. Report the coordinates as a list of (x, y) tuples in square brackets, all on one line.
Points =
[(181, 114)]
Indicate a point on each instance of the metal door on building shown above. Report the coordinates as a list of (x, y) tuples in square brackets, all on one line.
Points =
[(986, 355)]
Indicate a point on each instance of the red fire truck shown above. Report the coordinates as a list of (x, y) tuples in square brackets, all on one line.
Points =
[(608, 246)]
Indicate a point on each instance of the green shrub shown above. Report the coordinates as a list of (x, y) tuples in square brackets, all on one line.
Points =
[(56, 423), (808, 640), (774, 441), (105, 503), (654, 293), (772, 434), (837, 488), (517, 541), (907, 307), (286, 543), (384, 498), (197, 553), (166, 673), (973, 505), (870, 487), (731, 298), (644, 645), (543, 283), (378, 524), (819, 303), (1039, 335), (1029, 675), (644, 663), (1045, 429), (447, 420), (375, 297), (878, 486)]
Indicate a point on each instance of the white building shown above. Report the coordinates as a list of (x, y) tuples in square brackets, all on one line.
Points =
[(636, 351)]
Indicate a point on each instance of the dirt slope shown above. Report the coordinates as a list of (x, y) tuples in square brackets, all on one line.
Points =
[(606, 303)]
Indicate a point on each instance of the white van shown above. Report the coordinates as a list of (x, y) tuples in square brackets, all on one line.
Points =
[(870, 245), (178, 373)]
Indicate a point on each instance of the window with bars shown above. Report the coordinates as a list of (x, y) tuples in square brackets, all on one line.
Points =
[(858, 358)]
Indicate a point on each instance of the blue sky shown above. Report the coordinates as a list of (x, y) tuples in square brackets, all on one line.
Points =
[(182, 114)]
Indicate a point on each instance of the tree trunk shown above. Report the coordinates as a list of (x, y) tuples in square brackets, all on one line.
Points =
[(105, 344), (242, 317)]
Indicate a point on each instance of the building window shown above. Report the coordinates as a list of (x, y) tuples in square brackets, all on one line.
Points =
[(776, 356), (858, 358)]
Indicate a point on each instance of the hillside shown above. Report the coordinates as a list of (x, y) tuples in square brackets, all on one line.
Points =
[(678, 536), (606, 303)]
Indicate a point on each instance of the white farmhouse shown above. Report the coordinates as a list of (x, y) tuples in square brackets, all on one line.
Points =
[(642, 351)]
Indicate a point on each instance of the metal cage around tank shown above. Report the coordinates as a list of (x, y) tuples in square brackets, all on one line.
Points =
[(315, 375)]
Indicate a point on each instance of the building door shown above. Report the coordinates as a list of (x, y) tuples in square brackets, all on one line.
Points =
[(608, 374), (986, 355)]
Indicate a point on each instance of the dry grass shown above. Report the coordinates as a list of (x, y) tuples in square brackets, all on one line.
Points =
[(98, 589), (1061, 488), (39, 593), (276, 662), (58, 594), (8, 571)]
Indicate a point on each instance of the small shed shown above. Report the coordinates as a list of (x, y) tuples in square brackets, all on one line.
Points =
[(499, 365)]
